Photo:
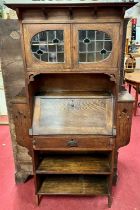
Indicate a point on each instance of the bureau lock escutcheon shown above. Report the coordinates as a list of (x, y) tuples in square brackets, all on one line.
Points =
[(72, 143)]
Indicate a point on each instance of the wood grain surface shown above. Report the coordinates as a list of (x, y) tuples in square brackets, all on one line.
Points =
[(74, 164), (82, 142), (74, 185), (73, 116), (133, 77)]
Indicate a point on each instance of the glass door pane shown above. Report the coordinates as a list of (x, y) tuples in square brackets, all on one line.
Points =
[(48, 45), (94, 46)]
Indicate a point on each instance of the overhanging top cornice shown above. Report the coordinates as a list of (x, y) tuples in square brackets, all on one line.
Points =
[(45, 3)]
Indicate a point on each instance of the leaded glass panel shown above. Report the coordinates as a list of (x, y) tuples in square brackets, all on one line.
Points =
[(94, 46), (48, 46)]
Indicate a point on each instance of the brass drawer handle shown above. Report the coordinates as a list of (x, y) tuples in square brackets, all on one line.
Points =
[(72, 143)]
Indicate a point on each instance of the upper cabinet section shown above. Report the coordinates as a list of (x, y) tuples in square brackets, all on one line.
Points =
[(94, 46), (72, 47), (72, 36), (47, 46)]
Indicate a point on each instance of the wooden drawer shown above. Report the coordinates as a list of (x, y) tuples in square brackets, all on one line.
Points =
[(73, 142)]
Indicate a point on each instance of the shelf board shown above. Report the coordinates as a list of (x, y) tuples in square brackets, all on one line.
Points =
[(75, 94), (74, 164), (74, 185)]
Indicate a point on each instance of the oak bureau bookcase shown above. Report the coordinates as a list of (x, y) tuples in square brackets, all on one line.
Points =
[(75, 113)]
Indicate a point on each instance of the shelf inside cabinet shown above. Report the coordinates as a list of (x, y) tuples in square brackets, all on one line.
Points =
[(74, 164), (74, 94), (73, 185)]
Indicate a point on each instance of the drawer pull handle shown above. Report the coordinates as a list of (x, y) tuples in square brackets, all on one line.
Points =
[(72, 143)]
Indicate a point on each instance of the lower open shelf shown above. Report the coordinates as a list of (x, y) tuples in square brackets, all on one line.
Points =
[(74, 164), (73, 185)]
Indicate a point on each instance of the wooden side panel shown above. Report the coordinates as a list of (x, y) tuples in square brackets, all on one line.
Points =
[(14, 83), (21, 122), (24, 142), (11, 58), (124, 121)]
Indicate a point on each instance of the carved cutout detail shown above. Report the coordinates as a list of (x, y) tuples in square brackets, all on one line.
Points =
[(31, 77), (112, 77), (124, 115)]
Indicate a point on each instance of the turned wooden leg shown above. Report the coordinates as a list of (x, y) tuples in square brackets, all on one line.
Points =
[(37, 197), (109, 201)]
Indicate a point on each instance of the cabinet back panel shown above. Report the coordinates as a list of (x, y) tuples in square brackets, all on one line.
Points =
[(73, 82)]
